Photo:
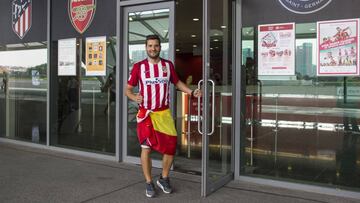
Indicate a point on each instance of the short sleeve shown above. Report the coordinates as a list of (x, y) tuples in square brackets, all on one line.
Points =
[(173, 76), (134, 75)]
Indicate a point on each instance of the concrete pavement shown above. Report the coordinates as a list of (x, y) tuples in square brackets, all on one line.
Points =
[(40, 175)]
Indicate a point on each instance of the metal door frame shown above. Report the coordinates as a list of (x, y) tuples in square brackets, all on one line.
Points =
[(207, 187), (122, 35)]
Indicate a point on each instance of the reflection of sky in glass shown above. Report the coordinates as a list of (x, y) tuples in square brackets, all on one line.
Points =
[(141, 47), (23, 58)]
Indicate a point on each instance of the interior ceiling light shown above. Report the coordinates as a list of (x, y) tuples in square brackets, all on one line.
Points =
[(223, 26), (193, 35), (216, 40), (177, 49), (195, 19), (194, 45)]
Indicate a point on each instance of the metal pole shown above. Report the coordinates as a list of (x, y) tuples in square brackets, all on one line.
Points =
[(252, 130), (276, 126), (108, 114), (188, 127), (93, 111), (220, 124)]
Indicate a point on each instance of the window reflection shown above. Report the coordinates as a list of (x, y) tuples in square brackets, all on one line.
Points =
[(84, 106), (23, 94), (302, 127)]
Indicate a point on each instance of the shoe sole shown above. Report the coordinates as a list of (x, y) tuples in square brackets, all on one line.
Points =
[(147, 195), (161, 187)]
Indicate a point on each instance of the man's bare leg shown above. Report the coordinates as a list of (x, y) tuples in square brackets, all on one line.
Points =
[(166, 164), (146, 164)]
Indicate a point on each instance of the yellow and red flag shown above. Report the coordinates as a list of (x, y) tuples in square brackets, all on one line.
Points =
[(158, 129)]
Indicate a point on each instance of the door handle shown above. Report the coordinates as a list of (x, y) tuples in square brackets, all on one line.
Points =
[(212, 108), (199, 108)]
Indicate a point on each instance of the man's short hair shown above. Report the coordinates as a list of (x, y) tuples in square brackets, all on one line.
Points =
[(152, 37)]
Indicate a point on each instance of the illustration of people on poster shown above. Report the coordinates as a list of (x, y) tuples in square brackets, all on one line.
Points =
[(338, 44), (96, 56), (276, 45)]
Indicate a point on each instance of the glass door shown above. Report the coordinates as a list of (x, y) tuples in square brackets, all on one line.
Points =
[(140, 21), (215, 123), (204, 126)]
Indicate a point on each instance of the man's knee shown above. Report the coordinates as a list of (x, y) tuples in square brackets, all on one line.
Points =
[(145, 150), (168, 157)]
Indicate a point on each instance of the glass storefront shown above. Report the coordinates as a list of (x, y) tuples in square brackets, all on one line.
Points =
[(84, 117), (299, 127), (303, 128), (23, 93), (83, 75)]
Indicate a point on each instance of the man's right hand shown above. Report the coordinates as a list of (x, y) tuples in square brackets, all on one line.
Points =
[(138, 98)]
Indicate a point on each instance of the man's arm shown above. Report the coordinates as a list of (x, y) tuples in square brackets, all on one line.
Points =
[(131, 95), (182, 87)]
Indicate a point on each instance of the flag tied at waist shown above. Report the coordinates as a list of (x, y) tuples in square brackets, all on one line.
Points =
[(158, 129)]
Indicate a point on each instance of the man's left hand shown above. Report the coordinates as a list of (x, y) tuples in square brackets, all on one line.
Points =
[(197, 93)]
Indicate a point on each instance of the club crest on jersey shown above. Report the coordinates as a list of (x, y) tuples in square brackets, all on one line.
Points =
[(81, 13), (164, 69), (21, 17)]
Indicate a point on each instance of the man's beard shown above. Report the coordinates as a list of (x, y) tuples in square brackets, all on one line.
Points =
[(156, 56)]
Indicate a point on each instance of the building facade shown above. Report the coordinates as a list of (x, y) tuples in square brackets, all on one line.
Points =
[(281, 103)]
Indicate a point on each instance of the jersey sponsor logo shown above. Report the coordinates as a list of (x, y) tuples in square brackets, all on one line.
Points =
[(21, 17), (81, 13), (304, 6), (155, 81)]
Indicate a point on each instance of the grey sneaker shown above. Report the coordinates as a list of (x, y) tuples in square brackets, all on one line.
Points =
[(164, 184), (150, 189)]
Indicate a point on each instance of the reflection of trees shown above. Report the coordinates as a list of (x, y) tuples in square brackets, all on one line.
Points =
[(42, 69)]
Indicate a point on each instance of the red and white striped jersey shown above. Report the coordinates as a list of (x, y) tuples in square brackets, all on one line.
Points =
[(154, 81)]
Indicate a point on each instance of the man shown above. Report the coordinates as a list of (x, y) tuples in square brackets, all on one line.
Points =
[(110, 84), (156, 129)]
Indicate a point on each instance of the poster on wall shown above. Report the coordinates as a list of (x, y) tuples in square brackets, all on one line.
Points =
[(276, 45), (67, 57), (96, 56), (338, 48)]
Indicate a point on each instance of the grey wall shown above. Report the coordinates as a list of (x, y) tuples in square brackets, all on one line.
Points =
[(256, 12), (37, 31), (103, 23)]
